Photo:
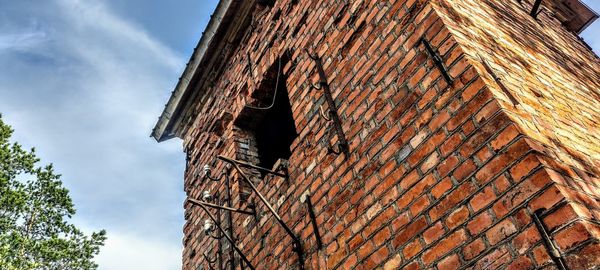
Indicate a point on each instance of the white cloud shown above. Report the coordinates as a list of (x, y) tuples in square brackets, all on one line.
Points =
[(21, 41), (125, 38), (123, 251)]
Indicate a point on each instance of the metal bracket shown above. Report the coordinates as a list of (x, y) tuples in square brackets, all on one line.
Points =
[(437, 59), (316, 86), (313, 220), (230, 229), (296, 241), (333, 117), (207, 173), (226, 208), (550, 247), (535, 9), (224, 234), (283, 174), (324, 115), (499, 82), (335, 149), (209, 261)]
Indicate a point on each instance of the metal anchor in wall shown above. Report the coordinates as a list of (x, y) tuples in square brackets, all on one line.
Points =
[(210, 261), (437, 59), (330, 115)]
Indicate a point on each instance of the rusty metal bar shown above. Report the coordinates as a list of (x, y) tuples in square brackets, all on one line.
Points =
[(248, 263), (535, 8), (208, 258), (550, 247), (296, 242), (246, 164), (209, 261), (219, 244), (437, 59), (197, 202), (342, 145), (313, 220), (230, 223), (499, 82)]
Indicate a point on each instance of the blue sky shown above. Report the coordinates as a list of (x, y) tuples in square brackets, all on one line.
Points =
[(84, 82)]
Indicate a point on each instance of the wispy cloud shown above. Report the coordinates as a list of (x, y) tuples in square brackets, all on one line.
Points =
[(21, 41), (119, 37)]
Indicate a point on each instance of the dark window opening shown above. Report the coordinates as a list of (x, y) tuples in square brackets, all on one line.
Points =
[(269, 3), (276, 132), (268, 119)]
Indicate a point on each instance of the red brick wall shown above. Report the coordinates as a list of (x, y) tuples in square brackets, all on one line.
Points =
[(439, 176), (554, 77)]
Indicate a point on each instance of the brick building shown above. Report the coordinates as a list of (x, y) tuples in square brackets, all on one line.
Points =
[(404, 134)]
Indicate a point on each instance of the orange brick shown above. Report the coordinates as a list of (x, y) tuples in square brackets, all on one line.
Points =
[(479, 223), (524, 167), (507, 135), (482, 199), (526, 239), (501, 231), (393, 263), (433, 233), (541, 255), (473, 249), (412, 249), (441, 188), (521, 263), (444, 246), (457, 217), (449, 263), (572, 235), (409, 232)]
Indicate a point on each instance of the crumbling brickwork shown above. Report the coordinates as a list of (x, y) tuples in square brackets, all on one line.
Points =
[(442, 172)]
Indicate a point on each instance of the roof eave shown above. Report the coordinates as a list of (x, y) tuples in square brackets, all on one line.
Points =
[(167, 122)]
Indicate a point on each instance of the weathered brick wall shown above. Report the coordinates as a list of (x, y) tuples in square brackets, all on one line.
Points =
[(554, 78), (439, 176)]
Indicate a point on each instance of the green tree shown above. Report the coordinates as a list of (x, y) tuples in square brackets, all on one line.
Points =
[(34, 213)]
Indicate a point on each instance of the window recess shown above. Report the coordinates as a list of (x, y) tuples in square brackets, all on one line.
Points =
[(266, 122)]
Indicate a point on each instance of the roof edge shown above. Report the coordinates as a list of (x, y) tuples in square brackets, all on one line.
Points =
[(591, 19), (163, 130)]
